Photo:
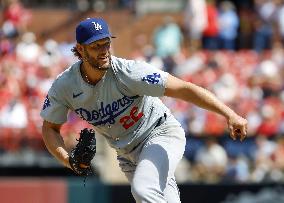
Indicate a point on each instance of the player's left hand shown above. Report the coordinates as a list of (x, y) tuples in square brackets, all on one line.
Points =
[(237, 127)]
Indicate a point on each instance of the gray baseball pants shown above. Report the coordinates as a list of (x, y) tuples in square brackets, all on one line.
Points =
[(150, 167)]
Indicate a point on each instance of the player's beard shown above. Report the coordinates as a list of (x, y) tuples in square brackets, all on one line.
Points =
[(95, 62)]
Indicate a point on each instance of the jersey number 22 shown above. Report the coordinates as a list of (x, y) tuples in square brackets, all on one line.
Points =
[(128, 121)]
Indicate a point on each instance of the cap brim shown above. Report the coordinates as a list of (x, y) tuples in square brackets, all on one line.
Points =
[(98, 37)]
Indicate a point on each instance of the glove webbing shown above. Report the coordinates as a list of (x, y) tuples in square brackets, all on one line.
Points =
[(83, 153)]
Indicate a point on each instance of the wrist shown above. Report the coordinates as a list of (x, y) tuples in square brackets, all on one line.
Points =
[(228, 113), (66, 162), (62, 156)]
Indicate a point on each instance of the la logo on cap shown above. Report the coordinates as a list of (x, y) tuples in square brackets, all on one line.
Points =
[(97, 26)]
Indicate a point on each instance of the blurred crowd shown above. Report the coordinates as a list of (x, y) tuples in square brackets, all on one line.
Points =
[(237, 53), (234, 25)]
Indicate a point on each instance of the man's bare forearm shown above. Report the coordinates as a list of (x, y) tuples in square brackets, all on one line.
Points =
[(205, 99), (197, 95), (55, 145)]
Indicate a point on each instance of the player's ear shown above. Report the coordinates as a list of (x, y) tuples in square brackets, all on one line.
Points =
[(79, 48)]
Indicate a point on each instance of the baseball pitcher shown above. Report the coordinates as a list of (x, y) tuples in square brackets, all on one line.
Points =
[(119, 97)]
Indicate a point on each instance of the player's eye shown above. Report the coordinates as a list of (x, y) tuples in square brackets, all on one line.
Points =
[(101, 46)]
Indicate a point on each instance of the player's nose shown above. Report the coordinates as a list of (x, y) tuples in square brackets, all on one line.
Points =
[(105, 48)]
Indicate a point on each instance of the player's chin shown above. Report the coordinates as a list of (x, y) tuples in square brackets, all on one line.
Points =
[(104, 66)]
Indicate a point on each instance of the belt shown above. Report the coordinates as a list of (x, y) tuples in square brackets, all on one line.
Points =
[(161, 120)]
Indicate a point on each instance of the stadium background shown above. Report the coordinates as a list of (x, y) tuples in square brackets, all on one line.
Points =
[(233, 48)]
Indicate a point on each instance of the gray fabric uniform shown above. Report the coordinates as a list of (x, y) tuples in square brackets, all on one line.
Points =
[(124, 107)]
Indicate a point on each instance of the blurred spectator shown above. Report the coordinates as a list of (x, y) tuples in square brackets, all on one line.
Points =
[(237, 170), (151, 57), (211, 31), (226, 87), (50, 55), (254, 118), (168, 41), (228, 25), (211, 161), (196, 121), (246, 27), (83, 5), (13, 115), (277, 172), (262, 161), (267, 76), (277, 56), (266, 10), (13, 122), (16, 18), (195, 18), (6, 46), (167, 38), (27, 50), (190, 65), (269, 124)]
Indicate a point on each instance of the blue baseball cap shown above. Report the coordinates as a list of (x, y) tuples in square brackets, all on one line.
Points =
[(91, 30)]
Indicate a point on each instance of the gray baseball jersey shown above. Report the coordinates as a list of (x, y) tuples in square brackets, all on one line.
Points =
[(123, 106)]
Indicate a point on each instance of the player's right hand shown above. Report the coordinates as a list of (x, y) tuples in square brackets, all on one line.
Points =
[(237, 127)]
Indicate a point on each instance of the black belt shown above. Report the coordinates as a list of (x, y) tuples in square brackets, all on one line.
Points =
[(161, 120)]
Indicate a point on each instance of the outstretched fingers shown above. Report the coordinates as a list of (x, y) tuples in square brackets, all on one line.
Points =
[(243, 132), (238, 132), (232, 132), (237, 127)]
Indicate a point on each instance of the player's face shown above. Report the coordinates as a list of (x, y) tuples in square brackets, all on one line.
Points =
[(97, 54)]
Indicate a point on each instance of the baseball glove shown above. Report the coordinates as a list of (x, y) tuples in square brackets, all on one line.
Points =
[(82, 154)]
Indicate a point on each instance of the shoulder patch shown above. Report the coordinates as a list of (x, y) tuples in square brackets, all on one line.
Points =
[(152, 78)]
